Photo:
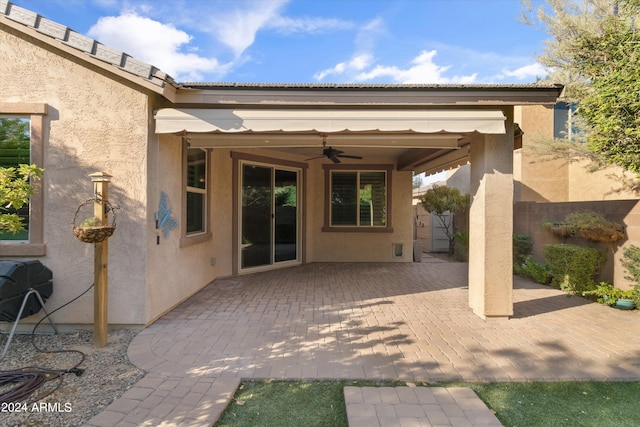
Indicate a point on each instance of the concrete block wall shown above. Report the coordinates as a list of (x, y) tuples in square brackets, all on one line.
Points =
[(529, 216)]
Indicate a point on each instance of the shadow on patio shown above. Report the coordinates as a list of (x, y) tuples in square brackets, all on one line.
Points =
[(385, 321)]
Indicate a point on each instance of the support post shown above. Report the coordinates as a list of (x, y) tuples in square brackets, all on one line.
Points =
[(101, 261), (491, 224)]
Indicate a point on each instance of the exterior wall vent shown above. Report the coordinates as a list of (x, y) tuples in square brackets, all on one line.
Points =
[(398, 250)]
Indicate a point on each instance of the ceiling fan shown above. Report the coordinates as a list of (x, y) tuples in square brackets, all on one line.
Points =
[(332, 154)]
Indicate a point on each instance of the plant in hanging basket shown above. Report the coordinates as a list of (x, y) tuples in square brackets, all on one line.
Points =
[(90, 230), (92, 221)]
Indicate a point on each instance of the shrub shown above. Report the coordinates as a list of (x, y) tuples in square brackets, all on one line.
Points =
[(539, 272), (595, 227), (631, 261), (573, 268), (605, 293), (589, 225), (522, 246)]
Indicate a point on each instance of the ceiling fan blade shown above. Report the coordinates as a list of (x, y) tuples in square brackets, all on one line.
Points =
[(330, 152), (333, 154), (349, 157)]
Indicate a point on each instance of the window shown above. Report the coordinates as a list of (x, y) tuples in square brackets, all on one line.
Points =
[(196, 191), (564, 126), (195, 202), (15, 149), (22, 136), (357, 200)]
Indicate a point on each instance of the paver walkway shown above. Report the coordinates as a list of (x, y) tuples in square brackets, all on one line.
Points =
[(416, 406), (363, 321)]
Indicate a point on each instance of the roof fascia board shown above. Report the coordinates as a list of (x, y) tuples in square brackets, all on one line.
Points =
[(370, 97), (447, 161), (165, 90)]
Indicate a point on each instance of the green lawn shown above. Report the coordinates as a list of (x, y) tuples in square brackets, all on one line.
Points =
[(555, 404)]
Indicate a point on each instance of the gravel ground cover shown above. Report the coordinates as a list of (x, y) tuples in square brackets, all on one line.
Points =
[(107, 375)]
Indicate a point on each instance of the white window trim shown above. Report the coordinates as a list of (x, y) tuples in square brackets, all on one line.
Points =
[(201, 236)]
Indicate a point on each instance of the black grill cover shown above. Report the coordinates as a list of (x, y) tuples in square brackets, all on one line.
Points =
[(16, 278)]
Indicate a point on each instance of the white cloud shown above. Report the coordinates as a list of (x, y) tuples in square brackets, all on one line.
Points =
[(369, 34), (526, 72), (357, 63), (237, 28), (287, 25), (156, 43), (365, 41), (423, 69)]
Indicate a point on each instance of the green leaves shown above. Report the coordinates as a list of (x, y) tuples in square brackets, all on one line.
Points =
[(15, 191), (440, 199), (595, 52)]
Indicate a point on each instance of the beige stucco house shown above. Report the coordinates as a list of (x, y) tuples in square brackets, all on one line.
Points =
[(244, 172)]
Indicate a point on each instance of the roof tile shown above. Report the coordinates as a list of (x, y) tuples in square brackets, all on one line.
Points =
[(136, 67), (105, 53), (53, 29), (21, 15), (81, 42)]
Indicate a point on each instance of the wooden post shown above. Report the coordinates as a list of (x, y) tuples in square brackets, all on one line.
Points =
[(100, 261)]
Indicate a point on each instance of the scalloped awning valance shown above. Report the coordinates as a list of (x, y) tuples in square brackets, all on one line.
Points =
[(175, 120)]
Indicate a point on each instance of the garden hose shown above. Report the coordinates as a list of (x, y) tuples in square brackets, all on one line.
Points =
[(31, 379)]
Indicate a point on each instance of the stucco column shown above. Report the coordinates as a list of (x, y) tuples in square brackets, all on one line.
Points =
[(491, 224)]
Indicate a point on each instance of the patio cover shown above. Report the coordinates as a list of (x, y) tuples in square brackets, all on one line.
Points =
[(174, 120)]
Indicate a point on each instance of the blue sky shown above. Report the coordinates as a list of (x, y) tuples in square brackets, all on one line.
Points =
[(314, 41)]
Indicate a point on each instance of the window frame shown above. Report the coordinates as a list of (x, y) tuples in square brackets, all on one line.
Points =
[(359, 168), (193, 238), (38, 134)]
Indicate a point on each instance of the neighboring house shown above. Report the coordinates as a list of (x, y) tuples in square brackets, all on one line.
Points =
[(242, 169), (549, 189)]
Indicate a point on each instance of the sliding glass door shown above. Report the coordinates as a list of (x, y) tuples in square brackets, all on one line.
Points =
[(269, 215)]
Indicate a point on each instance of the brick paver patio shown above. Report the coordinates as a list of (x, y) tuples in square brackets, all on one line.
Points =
[(364, 321)]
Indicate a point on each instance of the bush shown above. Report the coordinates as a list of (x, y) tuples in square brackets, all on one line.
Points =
[(522, 246), (573, 268), (605, 293), (539, 272), (589, 225), (631, 261)]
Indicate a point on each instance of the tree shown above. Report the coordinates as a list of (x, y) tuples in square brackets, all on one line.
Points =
[(15, 180), (442, 201), (595, 51), (15, 190)]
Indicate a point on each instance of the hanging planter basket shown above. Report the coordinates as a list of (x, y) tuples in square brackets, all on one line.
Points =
[(89, 233)]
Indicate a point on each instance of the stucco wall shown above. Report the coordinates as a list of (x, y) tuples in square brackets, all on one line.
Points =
[(176, 271), (94, 124), (361, 246), (604, 184), (541, 179)]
